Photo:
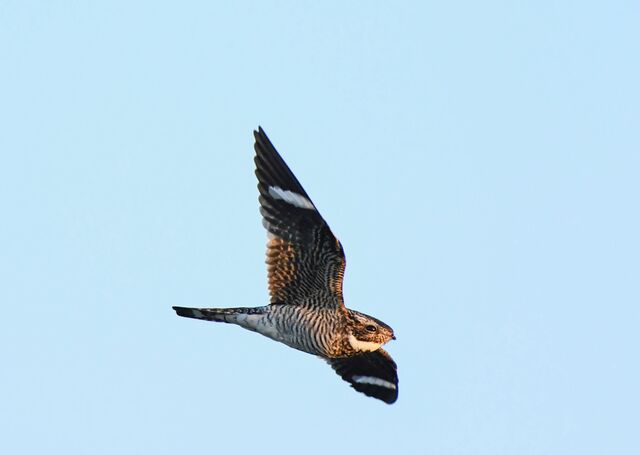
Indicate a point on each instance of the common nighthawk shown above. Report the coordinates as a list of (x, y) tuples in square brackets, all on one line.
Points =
[(306, 267)]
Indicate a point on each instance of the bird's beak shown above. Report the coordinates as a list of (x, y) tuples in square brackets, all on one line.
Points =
[(393, 337)]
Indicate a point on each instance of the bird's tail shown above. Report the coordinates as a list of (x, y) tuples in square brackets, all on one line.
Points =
[(230, 315)]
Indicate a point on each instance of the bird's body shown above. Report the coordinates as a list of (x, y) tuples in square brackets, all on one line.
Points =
[(306, 267), (319, 331)]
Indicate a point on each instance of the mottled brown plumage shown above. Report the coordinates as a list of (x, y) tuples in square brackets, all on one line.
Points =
[(305, 264)]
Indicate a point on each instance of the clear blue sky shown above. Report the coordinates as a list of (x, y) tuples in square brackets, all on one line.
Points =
[(480, 162)]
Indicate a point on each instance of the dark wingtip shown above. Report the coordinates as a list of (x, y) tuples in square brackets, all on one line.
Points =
[(259, 132), (392, 399), (261, 138)]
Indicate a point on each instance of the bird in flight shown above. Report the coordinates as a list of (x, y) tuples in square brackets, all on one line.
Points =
[(306, 263)]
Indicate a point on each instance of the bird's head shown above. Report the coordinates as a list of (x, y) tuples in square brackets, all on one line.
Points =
[(368, 333)]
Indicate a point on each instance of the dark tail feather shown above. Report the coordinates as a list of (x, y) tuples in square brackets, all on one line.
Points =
[(215, 314), (207, 314)]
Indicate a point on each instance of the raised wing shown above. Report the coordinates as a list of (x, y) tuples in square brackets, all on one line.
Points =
[(305, 261), (372, 373)]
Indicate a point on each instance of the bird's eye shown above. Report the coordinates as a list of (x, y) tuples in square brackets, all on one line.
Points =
[(371, 328)]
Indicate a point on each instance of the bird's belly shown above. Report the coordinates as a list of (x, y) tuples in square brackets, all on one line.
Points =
[(261, 324), (298, 329)]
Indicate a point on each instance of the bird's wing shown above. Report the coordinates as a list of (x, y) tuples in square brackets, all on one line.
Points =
[(305, 261), (372, 373)]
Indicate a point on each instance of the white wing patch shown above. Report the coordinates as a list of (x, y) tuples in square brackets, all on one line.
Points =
[(363, 345), (290, 197), (374, 381)]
